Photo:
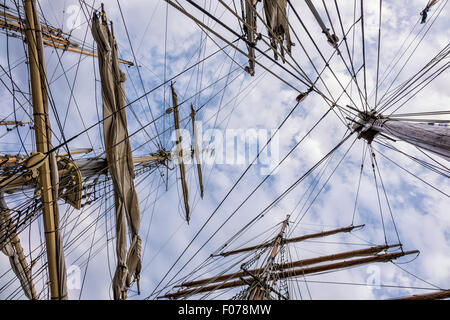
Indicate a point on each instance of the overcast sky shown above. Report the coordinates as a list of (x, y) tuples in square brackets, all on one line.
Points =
[(164, 43)]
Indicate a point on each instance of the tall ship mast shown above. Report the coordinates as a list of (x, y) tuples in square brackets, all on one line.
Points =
[(249, 150)]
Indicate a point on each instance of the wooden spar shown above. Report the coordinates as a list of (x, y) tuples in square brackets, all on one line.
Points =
[(197, 151), (433, 138), (48, 29), (18, 159), (293, 273), (27, 179), (73, 174), (444, 294), (300, 263), (13, 123), (149, 159), (52, 37), (331, 39), (323, 234), (41, 127), (80, 151), (10, 159), (180, 151), (250, 30), (296, 239), (84, 52), (344, 264), (259, 292)]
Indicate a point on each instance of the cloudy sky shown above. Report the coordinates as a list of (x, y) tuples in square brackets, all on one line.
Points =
[(164, 43)]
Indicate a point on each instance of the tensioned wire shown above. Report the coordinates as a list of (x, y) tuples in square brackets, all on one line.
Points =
[(254, 219)]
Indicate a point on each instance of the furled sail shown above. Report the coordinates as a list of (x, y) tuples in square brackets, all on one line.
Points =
[(196, 151), (250, 31), (431, 3), (119, 158), (429, 137), (12, 248), (276, 16), (424, 12), (176, 118)]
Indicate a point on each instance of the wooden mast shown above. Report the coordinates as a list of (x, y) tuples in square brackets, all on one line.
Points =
[(430, 137), (293, 264), (258, 279), (294, 273), (257, 291), (444, 294), (52, 37), (427, 136), (176, 118), (250, 30), (41, 126), (197, 151)]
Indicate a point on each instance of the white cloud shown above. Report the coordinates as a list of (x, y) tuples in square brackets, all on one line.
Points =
[(420, 213)]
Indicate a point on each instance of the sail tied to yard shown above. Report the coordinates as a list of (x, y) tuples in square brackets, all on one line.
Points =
[(250, 31), (277, 22), (119, 158), (424, 12), (12, 248), (427, 136)]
